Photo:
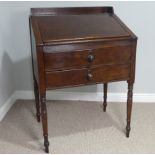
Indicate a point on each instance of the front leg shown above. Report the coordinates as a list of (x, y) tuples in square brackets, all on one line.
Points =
[(129, 107), (105, 97), (44, 122)]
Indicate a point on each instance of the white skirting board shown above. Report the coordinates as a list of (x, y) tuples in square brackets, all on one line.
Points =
[(88, 96), (7, 106), (77, 96)]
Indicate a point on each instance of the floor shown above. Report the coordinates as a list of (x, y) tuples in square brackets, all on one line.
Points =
[(79, 127)]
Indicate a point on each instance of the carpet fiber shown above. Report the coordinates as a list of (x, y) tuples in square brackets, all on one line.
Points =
[(79, 127)]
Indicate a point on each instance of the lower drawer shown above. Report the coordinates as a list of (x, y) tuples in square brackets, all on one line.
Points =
[(87, 76)]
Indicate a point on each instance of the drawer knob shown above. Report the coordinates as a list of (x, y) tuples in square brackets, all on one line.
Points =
[(89, 76), (90, 58)]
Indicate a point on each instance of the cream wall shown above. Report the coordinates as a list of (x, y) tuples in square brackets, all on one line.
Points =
[(15, 62), (6, 51)]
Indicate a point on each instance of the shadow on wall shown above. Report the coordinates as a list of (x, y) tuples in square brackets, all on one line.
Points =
[(23, 74), (6, 78), (15, 40)]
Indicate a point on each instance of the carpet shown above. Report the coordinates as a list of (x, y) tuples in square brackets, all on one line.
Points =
[(79, 127)]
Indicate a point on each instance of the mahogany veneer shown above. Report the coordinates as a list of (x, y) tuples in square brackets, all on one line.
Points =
[(80, 46)]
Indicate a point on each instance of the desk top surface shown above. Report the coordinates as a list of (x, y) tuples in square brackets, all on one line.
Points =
[(80, 27)]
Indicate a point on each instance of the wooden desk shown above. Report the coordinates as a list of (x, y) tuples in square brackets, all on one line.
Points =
[(80, 46)]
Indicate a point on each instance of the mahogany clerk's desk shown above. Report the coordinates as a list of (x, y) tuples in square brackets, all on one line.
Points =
[(80, 46)]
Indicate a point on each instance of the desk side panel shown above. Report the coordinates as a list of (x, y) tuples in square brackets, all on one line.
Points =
[(133, 60), (33, 54)]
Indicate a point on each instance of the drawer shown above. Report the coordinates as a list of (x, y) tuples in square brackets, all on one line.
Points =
[(85, 76), (87, 58), (65, 60)]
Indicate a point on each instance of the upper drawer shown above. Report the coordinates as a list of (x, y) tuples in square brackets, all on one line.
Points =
[(88, 58)]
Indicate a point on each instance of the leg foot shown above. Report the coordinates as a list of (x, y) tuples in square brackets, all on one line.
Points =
[(128, 131), (38, 117), (104, 107), (46, 149), (44, 122), (129, 107), (46, 144), (105, 97)]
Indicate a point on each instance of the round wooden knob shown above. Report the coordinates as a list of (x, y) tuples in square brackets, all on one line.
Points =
[(89, 76), (90, 58)]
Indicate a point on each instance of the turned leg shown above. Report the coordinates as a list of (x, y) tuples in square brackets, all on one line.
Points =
[(129, 107), (44, 122), (36, 93), (105, 97)]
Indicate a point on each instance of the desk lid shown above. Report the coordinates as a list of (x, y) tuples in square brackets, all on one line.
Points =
[(59, 26)]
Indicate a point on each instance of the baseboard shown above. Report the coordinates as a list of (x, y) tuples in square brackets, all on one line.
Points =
[(77, 96), (88, 96), (7, 105)]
